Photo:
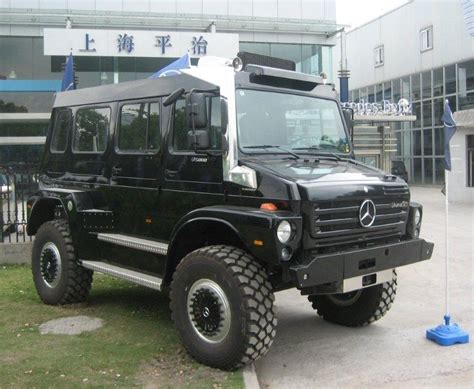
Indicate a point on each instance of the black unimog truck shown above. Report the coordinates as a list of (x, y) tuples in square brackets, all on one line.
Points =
[(219, 185)]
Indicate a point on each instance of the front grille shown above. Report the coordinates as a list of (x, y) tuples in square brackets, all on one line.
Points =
[(397, 190), (337, 222)]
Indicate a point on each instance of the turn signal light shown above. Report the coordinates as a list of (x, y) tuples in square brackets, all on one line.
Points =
[(269, 207)]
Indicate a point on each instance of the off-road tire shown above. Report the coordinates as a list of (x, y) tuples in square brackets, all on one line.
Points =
[(249, 293), (74, 282), (373, 303)]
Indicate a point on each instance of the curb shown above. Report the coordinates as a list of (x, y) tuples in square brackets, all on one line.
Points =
[(15, 253), (250, 377)]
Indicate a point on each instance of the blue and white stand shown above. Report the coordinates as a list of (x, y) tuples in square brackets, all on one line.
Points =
[(447, 334)]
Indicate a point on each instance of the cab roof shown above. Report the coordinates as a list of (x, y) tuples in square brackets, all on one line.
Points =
[(130, 90)]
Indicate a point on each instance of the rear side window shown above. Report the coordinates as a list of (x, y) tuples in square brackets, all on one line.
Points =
[(61, 129), (180, 136), (139, 127), (92, 127)]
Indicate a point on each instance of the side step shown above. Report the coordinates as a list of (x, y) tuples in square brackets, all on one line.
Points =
[(134, 243), (124, 274)]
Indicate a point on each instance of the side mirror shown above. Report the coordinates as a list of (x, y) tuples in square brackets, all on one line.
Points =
[(224, 116), (196, 110), (199, 140), (173, 97)]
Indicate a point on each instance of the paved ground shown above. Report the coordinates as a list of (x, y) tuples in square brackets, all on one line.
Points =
[(309, 352)]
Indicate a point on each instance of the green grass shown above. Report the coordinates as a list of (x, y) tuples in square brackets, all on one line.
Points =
[(137, 346)]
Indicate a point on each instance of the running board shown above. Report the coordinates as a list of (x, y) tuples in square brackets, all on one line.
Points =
[(134, 243), (124, 274)]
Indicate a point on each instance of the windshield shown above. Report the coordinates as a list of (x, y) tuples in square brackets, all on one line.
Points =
[(280, 121)]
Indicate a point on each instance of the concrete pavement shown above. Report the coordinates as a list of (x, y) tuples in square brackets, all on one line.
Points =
[(309, 352)]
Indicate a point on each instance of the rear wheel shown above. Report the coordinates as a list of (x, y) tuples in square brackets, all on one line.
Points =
[(358, 308), (222, 306), (58, 276)]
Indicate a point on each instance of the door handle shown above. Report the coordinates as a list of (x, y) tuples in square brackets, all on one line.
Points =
[(116, 170), (170, 173)]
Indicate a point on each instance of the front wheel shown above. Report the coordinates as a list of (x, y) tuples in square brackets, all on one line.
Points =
[(222, 306), (358, 308)]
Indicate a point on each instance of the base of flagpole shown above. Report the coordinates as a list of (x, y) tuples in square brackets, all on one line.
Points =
[(447, 334)]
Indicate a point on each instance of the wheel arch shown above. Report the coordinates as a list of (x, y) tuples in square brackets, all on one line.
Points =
[(198, 232), (42, 210)]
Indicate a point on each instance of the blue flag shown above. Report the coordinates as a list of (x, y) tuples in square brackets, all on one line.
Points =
[(173, 68), (449, 130), (68, 77)]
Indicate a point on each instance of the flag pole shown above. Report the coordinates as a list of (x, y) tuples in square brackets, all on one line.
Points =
[(447, 334)]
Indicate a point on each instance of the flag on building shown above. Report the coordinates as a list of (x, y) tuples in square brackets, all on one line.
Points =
[(68, 78), (174, 67), (449, 130)]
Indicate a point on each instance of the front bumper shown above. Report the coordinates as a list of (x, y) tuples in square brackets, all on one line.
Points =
[(327, 273)]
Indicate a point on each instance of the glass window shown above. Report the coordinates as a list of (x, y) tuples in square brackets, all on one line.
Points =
[(378, 93), (215, 125), (290, 121), (396, 91), (426, 39), (439, 171), (387, 92), (417, 142), (363, 94), (62, 127), (466, 76), (416, 107), (427, 112), (379, 56), (26, 101), (438, 82), (439, 141), (438, 108), (428, 170), (466, 101), (450, 75), (92, 126), (428, 141), (417, 170), (139, 127), (287, 51), (406, 88), (371, 94), (426, 84), (254, 47), (415, 87), (180, 128)]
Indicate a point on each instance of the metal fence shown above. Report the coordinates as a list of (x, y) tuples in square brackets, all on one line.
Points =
[(17, 183)]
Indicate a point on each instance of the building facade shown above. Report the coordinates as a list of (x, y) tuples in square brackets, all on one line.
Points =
[(121, 40), (423, 52)]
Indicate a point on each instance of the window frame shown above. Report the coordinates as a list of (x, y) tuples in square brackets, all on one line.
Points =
[(119, 123), (73, 142), (381, 50), (428, 32), (53, 132)]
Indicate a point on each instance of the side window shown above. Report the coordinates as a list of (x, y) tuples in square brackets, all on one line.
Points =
[(61, 129), (92, 127), (180, 135), (139, 127)]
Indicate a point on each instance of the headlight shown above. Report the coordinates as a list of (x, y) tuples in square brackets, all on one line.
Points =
[(417, 217), (284, 231)]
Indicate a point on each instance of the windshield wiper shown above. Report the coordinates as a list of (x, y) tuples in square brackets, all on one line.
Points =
[(272, 147)]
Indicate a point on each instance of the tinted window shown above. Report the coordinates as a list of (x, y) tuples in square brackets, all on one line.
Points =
[(139, 127), (62, 126), (180, 136), (92, 125)]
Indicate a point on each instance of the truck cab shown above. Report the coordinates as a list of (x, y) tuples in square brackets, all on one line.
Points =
[(220, 185)]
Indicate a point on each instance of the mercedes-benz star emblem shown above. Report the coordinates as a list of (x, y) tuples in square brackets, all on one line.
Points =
[(367, 213)]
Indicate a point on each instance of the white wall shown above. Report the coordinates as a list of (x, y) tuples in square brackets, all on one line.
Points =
[(399, 32)]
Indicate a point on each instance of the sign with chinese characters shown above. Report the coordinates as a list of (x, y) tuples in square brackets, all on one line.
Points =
[(138, 43), (402, 108)]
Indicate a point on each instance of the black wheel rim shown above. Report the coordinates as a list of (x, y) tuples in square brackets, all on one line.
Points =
[(50, 264)]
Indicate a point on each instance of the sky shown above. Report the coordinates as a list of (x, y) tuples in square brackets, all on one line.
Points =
[(358, 12)]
